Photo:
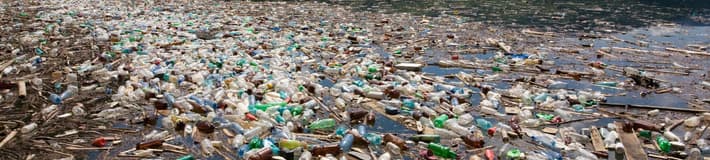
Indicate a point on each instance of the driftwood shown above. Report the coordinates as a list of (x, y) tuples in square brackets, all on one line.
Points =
[(597, 142), (654, 107), (688, 51), (632, 145), (8, 138)]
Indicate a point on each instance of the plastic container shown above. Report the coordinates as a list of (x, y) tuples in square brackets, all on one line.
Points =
[(441, 151), (346, 143)]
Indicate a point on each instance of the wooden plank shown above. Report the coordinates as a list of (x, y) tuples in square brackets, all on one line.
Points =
[(632, 145), (597, 142)]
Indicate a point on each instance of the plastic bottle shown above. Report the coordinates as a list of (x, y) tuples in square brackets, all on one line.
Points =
[(305, 155), (610, 139), (188, 157), (393, 148), (291, 144), (491, 111), (429, 138), (531, 123), (454, 126), (490, 155), (322, 124), (57, 99), (553, 155), (663, 144), (207, 147), (362, 130), (346, 143), (170, 99), (385, 156), (341, 130), (483, 124), (545, 141), (374, 139), (465, 119), (439, 121), (441, 151), (473, 141)]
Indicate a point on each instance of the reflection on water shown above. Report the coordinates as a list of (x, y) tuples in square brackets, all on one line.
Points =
[(569, 15)]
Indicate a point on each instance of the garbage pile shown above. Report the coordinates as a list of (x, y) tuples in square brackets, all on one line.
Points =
[(258, 80)]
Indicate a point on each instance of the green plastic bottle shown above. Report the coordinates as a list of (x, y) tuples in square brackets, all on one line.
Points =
[(545, 116), (264, 107), (372, 69), (290, 144), (296, 110), (496, 69), (322, 124), (645, 134), (256, 142), (439, 121), (663, 144), (441, 151), (188, 157), (607, 83), (429, 138)]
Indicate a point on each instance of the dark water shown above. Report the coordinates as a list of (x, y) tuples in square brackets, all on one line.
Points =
[(569, 15)]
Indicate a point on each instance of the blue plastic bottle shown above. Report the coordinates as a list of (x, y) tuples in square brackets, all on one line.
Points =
[(347, 143)]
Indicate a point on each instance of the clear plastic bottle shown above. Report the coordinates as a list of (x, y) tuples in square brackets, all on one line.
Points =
[(453, 125)]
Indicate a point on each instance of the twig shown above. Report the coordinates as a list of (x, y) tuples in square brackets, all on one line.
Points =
[(335, 115), (8, 138), (577, 120), (688, 51), (480, 149), (87, 148)]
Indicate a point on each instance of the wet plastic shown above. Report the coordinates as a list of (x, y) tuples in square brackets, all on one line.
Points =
[(323, 124), (346, 143), (663, 144), (441, 151), (439, 121)]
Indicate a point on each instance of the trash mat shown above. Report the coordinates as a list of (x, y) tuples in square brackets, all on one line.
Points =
[(309, 80)]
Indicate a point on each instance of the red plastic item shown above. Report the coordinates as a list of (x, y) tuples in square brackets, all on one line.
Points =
[(427, 154), (491, 131), (250, 117), (99, 142), (490, 155), (455, 57), (557, 120)]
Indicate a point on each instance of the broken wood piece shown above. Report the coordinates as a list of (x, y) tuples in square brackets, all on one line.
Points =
[(499, 44), (597, 142), (8, 138), (632, 145), (528, 31), (606, 53), (22, 89), (409, 66), (687, 51), (550, 130), (87, 148)]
